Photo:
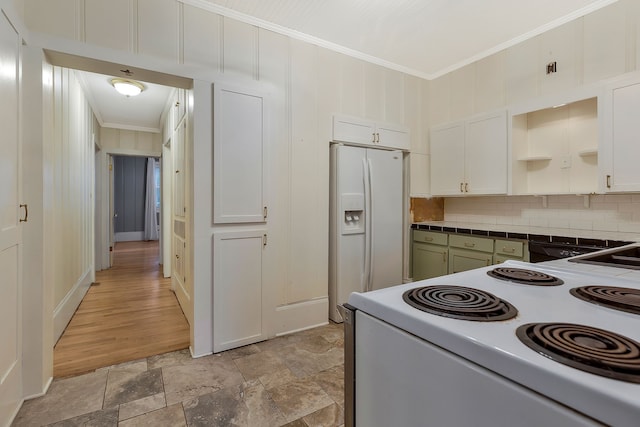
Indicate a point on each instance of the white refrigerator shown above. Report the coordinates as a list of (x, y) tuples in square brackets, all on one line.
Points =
[(365, 231)]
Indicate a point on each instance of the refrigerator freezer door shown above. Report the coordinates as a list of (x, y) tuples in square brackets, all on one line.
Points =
[(347, 237), (385, 172)]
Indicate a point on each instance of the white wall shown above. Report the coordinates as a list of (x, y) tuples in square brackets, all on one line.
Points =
[(69, 163), (601, 45), (129, 142), (306, 85)]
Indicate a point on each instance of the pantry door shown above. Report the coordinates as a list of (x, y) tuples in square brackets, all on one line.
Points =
[(10, 231)]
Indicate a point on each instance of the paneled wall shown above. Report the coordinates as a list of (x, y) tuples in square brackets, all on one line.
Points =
[(70, 164), (130, 142), (306, 85), (601, 45)]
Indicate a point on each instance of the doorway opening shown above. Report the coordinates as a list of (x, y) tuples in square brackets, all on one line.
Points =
[(130, 310)]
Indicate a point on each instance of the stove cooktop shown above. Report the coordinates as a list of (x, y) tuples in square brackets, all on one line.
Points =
[(495, 345), (459, 302), (586, 348), (524, 276)]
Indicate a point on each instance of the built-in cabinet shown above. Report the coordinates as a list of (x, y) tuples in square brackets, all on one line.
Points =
[(510, 249), (622, 136), (238, 291), (357, 130), (178, 125), (430, 254), (239, 154), (468, 252), (435, 253), (469, 157), (240, 216)]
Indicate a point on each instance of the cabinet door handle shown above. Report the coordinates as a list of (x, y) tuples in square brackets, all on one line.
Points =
[(373, 135), (466, 187), (469, 244), (444, 256), (508, 250), (461, 187), (26, 213), (608, 181)]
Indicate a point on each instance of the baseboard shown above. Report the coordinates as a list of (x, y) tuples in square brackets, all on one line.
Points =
[(12, 418), (43, 392), (64, 311), (129, 236), (303, 315), (196, 356)]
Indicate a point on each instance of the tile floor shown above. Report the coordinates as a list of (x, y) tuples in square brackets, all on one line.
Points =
[(295, 380)]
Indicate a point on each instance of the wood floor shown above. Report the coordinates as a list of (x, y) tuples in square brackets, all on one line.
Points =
[(130, 313)]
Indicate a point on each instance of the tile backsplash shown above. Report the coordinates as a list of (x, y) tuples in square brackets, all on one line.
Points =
[(620, 213)]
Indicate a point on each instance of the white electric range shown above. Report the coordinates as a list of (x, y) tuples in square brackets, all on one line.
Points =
[(409, 367)]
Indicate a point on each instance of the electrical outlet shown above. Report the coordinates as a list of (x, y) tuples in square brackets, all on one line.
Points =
[(565, 162)]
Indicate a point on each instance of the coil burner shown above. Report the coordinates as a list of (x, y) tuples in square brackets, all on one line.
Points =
[(459, 302), (625, 299), (524, 276), (589, 349)]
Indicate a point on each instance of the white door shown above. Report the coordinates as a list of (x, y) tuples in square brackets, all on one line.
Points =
[(486, 155), (237, 291), (447, 160), (625, 129), (238, 156), (10, 230), (385, 172)]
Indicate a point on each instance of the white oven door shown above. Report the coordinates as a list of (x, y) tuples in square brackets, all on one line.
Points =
[(404, 381)]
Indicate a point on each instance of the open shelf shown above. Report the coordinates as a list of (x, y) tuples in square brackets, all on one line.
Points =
[(534, 158), (588, 152), (554, 150)]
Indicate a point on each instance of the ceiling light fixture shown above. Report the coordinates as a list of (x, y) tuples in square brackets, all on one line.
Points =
[(127, 87)]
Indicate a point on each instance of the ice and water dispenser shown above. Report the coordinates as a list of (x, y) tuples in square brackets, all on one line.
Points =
[(352, 213)]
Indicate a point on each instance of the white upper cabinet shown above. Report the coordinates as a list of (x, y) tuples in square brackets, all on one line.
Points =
[(239, 155), (486, 154), (470, 156), (447, 159), (622, 136), (367, 132)]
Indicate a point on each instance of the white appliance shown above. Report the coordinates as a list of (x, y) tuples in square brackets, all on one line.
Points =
[(366, 194), (408, 367)]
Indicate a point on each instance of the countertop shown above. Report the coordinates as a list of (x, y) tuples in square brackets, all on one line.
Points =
[(524, 232)]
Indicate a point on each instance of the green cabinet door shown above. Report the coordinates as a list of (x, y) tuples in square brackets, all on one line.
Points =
[(429, 261), (463, 260)]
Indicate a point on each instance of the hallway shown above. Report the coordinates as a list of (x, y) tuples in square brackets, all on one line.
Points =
[(129, 313)]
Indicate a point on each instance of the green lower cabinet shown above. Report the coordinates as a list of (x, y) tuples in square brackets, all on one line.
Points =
[(429, 261), (499, 259), (463, 260)]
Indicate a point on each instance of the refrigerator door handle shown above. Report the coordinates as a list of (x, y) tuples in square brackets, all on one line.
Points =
[(367, 221)]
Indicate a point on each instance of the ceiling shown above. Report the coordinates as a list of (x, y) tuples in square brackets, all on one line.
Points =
[(142, 112), (426, 38)]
